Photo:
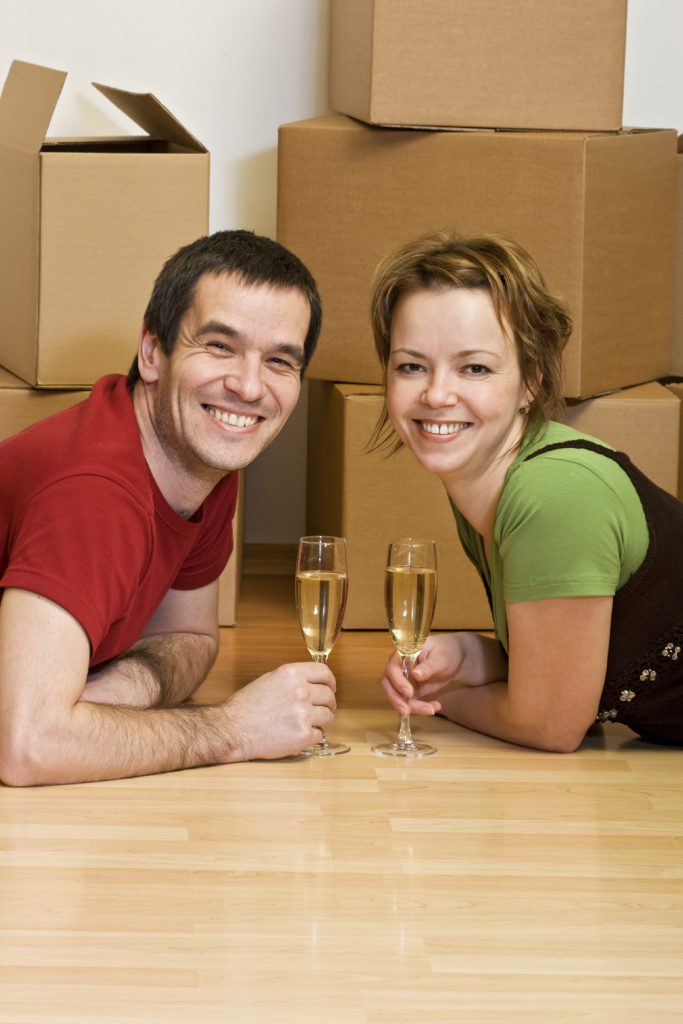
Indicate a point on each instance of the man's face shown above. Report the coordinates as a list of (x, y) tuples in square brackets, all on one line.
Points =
[(233, 377)]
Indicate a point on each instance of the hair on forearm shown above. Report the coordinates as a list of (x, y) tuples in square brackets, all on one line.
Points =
[(175, 663)]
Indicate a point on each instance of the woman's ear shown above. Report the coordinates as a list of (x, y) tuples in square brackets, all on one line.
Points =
[(531, 389), (149, 356)]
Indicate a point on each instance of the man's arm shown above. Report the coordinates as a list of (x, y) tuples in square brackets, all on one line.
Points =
[(48, 735), (172, 658)]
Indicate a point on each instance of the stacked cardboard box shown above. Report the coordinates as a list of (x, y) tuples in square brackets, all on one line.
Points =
[(488, 63), (487, 117), (86, 225), (676, 361)]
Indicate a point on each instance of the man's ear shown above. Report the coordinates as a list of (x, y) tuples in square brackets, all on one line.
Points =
[(149, 356)]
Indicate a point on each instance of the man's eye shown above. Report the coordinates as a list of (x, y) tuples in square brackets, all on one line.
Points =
[(218, 347), (283, 362)]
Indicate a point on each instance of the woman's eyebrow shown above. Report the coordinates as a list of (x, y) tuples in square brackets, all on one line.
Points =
[(408, 352), (465, 353)]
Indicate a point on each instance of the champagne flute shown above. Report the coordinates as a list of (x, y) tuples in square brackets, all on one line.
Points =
[(320, 586), (409, 598)]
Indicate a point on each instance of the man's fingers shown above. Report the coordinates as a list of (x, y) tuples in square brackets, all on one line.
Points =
[(323, 696)]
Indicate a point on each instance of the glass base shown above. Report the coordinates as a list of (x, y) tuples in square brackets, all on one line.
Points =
[(326, 749), (408, 750)]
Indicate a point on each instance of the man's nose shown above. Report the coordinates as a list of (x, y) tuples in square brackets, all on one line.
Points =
[(246, 379)]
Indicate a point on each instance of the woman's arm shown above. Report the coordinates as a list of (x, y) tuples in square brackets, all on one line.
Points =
[(558, 660)]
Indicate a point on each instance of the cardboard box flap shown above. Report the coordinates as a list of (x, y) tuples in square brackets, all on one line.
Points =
[(151, 115), (27, 104)]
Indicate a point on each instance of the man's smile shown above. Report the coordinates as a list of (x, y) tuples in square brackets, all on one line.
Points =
[(232, 419)]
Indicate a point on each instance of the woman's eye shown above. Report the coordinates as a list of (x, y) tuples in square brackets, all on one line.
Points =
[(477, 369), (410, 368)]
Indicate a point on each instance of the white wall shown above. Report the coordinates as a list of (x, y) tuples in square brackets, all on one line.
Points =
[(232, 71)]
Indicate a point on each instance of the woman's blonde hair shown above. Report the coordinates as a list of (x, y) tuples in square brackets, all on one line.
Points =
[(538, 322)]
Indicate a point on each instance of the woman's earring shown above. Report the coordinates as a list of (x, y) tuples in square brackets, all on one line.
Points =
[(525, 409)]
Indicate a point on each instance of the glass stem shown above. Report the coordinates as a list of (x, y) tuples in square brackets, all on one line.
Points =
[(405, 738), (321, 659)]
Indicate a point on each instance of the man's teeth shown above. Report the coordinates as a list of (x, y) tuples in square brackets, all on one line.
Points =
[(442, 428), (231, 419)]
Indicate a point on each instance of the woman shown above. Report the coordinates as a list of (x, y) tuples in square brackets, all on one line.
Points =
[(581, 555)]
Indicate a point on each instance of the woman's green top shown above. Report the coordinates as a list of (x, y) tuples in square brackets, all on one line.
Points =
[(569, 523)]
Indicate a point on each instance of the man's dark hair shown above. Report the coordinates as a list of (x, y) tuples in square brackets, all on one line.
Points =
[(252, 259)]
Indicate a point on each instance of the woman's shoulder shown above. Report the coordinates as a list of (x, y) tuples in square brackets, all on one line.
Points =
[(558, 453), (558, 480), (554, 433)]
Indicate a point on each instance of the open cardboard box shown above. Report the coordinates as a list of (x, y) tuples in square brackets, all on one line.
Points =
[(496, 63), (371, 498), (86, 226), (22, 406), (595, 211)]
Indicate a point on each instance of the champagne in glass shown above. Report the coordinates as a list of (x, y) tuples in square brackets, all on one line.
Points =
[(410, 599), (320, 587)]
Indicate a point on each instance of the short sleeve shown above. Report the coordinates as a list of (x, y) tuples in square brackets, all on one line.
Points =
[(561, 531), (86, 555)]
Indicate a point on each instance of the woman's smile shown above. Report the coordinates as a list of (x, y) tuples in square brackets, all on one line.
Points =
[(441, 428)]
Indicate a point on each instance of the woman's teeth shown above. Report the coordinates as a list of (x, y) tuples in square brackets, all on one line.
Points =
[(443, 428)]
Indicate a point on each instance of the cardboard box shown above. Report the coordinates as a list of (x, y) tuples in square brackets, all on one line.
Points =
[(21, 406), (86, 226), (644, 422), (528, 64), (595, 211), (676, 360), (676, 388), (369, 498), (230, 579)]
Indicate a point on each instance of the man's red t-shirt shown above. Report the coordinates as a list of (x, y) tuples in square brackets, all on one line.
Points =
[(83, 523)]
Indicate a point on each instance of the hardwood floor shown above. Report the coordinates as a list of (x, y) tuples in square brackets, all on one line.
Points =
[(485, 885)]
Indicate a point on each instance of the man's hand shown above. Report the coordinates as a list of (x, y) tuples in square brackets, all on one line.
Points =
[(281, 712)]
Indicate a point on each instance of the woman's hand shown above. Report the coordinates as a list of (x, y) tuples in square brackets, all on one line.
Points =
[(439, 663)]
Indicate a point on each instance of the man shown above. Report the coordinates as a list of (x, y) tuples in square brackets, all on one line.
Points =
[(115, 520)]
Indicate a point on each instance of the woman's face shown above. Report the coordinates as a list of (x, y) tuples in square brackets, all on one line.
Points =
[(454, 385)]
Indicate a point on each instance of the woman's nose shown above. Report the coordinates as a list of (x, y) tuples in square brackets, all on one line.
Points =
[(439, 390)]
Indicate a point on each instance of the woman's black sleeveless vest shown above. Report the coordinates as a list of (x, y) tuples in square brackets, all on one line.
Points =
[(644, 681)]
